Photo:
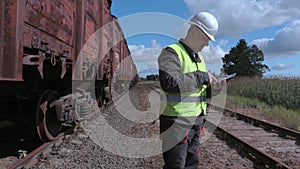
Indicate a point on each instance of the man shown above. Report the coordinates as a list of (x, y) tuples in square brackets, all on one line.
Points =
[(184, 85)]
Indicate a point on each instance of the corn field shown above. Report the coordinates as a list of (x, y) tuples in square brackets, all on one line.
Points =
[(276, 91)]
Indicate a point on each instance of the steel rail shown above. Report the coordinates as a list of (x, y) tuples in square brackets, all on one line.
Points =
[(247, 147), (28, 161), (282, 131)]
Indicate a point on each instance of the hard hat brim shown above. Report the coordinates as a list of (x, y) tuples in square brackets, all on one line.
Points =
[(209, 35)]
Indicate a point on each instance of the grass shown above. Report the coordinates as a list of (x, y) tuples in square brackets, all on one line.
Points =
[(289, 118)]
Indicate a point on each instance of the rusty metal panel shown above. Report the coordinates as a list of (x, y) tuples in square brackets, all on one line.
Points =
[(35, 38), (87, 24), (11, 52), (90, 18), (105, 44), (106, 12), (49, 30), (79, 36), (124, 61), (122, 66), (51, 23), (53, 17), (79, 28), (116, 57), (117, 35), (133, 69), (118, 42), (63, 25)]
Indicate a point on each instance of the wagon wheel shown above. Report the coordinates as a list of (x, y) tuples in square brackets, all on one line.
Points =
[(48, 126)]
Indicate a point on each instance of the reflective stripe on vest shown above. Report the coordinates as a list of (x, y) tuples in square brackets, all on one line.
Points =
[(185, 104), (174, 98)]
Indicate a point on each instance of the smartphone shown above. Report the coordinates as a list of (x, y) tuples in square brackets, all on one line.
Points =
[(226, 78)]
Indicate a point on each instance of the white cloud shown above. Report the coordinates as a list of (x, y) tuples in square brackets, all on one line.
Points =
[(285, 41), (134, 48), (154, 44), (261, 43), (145, 58), (280, 66), (239, 16), (213, 54)]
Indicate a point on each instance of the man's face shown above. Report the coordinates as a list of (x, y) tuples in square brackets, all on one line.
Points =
[(202, 38)]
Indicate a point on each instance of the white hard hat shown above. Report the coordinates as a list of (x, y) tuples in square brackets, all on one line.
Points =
[(207, 23)]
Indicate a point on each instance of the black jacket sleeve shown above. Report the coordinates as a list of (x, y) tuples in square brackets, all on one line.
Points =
[(172, 79)]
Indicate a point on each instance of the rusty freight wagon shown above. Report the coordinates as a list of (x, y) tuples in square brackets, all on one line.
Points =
[(51, 52)]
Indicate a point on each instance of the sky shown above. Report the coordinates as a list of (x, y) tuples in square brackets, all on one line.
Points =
[(272, 25)]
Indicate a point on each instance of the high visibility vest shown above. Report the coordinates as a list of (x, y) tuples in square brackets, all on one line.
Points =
[(185, 104)]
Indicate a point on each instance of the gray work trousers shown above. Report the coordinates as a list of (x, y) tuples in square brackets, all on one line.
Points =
[(180, 142)]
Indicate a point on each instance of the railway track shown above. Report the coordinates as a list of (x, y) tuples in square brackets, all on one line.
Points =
[(42, 150), (32, 157), (266, 144), (269, 145)]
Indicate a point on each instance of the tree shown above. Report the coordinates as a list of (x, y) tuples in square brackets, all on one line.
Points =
[(152, 77), (245, 60)]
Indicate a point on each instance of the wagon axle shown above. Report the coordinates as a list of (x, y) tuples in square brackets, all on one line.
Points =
[(55, 113)]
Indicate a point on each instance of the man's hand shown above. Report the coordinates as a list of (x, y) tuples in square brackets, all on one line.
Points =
[(211, 78), (216, 84)]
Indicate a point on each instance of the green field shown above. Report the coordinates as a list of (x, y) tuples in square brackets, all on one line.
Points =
[(278, 97), (274, 92)]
